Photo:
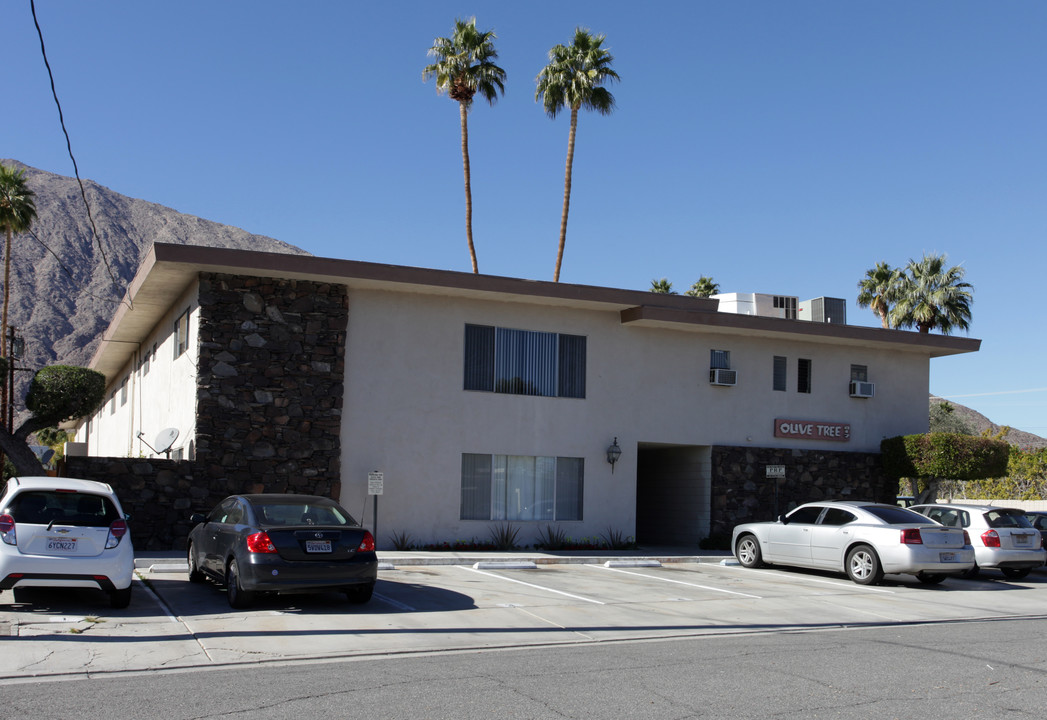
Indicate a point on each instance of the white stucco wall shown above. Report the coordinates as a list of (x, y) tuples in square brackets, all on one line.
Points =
[(160, 398), (407, 415)]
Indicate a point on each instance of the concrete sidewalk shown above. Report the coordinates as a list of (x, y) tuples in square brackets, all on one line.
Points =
[(172, 561)]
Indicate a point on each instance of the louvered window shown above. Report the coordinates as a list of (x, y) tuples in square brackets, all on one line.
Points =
[(524, 362)]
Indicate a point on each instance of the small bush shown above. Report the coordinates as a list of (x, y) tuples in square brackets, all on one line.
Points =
[(552, 538), (615, 540), (503, 536), (403, 541)]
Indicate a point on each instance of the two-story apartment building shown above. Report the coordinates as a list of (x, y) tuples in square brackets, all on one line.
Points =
[(484, 400)]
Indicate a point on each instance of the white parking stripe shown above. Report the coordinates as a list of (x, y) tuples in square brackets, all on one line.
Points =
[(678, 582), (395, 603), (537, 587), (802, 579)]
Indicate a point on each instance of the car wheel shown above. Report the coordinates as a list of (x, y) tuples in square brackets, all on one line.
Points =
[(120, 599), (930, 578), (359, 594), (237, 596), (971, 574), (1015, 573), (863, 566), (195, 576), (748, 551)]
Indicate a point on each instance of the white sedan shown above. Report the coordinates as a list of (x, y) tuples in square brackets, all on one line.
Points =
[(863, 539)]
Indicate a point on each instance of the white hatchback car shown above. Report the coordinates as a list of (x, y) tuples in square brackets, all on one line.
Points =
[(1003, 537), (63, 532)]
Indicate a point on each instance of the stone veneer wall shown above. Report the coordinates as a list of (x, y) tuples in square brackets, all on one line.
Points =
[(741, 492), (268, 411), (270, 383)]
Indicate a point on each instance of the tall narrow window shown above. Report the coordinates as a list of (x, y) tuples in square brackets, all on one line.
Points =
[(123, 392), (780, 369), (803, 375), (181, 334)]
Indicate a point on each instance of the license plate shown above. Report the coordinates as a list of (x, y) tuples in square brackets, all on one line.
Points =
[(318, 546), (1021, 539), (947, 557), (61, 544)]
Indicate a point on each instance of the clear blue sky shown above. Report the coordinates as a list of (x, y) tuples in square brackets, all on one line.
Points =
[(780, 147)]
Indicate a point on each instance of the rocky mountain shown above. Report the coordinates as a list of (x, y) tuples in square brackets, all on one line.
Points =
[(978, 424), (62, 293)]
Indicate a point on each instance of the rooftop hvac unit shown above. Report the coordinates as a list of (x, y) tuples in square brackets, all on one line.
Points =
[(722, 376), (862, 389)]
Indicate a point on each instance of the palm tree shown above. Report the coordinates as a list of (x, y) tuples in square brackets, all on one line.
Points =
[(17, 212), (879, 290), (573, 79), (662, 286), (465, 67), (931, 295), (703, 288)]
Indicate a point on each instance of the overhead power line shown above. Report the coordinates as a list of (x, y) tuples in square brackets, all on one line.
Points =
[(69, 148)]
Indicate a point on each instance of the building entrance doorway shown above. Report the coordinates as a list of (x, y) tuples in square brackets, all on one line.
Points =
[(672, 494)]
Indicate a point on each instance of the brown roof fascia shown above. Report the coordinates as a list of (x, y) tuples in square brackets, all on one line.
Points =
[(731, 323)]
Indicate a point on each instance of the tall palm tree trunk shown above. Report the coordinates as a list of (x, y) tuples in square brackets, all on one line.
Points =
[(566, 192), (468, 185), (7, 295)]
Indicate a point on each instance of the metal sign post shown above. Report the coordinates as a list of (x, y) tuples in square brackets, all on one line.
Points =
[(776, 473), (375, 485)]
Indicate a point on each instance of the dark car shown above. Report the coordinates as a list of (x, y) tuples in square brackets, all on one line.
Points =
[(1038, 518), (282, 544)]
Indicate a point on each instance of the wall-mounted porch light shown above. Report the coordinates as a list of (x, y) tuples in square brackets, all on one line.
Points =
[(613, 453)]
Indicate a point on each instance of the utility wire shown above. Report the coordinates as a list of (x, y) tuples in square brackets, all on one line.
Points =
[(69, 147)]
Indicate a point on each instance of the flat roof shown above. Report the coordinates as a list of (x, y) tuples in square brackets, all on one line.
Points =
[(168, 269)]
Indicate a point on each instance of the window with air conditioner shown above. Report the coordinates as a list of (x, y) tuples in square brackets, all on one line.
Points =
[(720, 372), (860, 387)]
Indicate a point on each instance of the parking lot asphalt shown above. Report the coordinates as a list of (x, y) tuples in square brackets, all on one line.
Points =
[(433, 602)]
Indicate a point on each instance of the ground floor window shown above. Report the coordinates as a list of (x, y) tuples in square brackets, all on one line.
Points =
[(521, 487)]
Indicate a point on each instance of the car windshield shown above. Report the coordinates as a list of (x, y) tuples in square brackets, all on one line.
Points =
[(301, 513), (895, 515), (1006, 518), (45, 507)]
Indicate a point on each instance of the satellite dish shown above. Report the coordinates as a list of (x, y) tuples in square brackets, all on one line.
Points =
[(166, 439)]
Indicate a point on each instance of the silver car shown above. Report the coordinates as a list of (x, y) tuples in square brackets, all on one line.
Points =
[(1003, 537), (863, 539)]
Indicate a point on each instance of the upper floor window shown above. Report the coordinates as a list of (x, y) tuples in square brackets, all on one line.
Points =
[(719, 359), (522, 362), (780, 369), (181, 333), (123, 392), (803, 375), (859, 373)]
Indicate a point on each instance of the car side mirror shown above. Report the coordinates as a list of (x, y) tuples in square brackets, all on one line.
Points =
[(197, 518), (783, 519)]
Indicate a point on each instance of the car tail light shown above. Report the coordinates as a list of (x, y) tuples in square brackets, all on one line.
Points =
[(260, 543), (367, 544), (991, 538), (966, 538), (117, 530), (911, 536), (7, 529)]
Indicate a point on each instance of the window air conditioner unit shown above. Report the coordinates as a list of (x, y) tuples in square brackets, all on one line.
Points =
[(862, 389), (722, 376)]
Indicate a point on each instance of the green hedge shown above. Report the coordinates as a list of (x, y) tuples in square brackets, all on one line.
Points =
[(944, 455)]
